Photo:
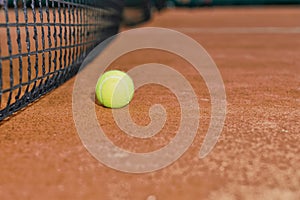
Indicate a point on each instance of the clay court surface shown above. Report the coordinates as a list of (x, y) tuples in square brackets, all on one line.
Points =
[(257, 156)]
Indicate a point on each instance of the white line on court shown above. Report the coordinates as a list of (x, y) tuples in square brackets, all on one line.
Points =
[(242, 30)]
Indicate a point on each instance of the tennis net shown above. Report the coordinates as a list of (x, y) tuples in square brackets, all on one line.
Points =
[(43, 44)]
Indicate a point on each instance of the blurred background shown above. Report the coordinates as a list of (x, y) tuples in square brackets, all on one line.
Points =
[(139, 11)]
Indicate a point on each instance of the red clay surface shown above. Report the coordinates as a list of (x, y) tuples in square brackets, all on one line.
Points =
[(257, 156)]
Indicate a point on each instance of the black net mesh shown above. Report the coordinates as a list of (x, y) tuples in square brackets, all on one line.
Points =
[(43, 43)]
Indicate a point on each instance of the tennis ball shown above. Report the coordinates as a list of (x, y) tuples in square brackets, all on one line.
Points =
[(114, 89)]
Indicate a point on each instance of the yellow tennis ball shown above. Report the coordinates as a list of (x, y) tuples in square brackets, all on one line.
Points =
[(114, 89)]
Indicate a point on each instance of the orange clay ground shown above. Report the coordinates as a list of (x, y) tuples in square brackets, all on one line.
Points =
[(257, 156)]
